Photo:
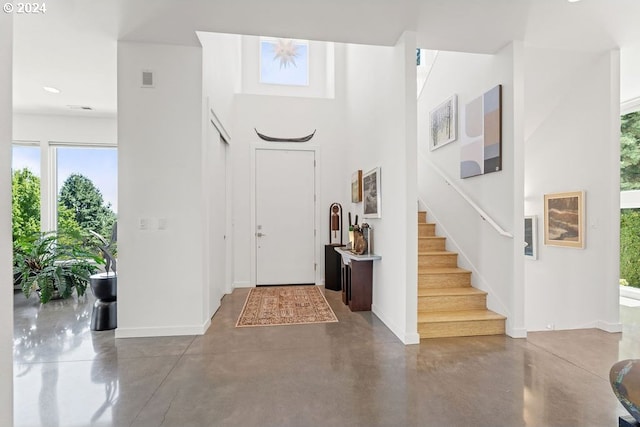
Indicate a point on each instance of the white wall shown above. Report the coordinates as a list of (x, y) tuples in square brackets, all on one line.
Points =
[(572, 143), (381, 122), (159, 159), (630, 77), (6, 254), (321, 77), (222, 74), (489, 255)]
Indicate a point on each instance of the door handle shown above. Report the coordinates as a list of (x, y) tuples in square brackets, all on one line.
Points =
[(260, 234)]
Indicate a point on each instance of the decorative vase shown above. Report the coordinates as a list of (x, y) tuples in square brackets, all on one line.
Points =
[(359, 243), (624, 377), (105, 288)]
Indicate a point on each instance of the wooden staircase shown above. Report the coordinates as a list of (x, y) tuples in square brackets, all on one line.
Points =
[(447, 304)]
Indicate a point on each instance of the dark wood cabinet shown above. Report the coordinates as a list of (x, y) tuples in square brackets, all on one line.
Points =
[(345, 278), (360, 285), (357, 280), (332, 270)]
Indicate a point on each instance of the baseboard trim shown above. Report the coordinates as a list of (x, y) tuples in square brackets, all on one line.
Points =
[(609, 327), (516, 332), (406, 338), (412, 338), (169, 331), (246, 284)]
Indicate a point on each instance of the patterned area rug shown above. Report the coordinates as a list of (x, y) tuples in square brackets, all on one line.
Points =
[(285, 305)]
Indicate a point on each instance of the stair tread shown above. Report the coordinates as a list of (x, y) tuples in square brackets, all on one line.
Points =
[(445, 270), (458, 316), (437, 253), (431, 238), (436, 292)]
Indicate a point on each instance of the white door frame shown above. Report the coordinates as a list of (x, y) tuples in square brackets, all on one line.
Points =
[(288, 147)]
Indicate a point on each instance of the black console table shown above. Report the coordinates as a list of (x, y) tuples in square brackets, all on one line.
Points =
[(332, 268), (357, 279)]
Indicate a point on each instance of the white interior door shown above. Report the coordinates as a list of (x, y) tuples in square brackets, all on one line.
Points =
[(217, 220), (285, 217)]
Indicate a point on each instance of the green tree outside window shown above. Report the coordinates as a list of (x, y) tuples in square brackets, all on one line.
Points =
[(25, 207), (82, 206)]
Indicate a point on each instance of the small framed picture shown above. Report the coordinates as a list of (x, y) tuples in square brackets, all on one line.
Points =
[(531, 237), (356, 187), (371, 193), (443, 123), (564, 219)]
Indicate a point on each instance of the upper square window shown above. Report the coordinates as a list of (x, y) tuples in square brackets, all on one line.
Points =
[(284, 61)]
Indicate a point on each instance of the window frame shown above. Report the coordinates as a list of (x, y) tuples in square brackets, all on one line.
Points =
[(295, 41), (49, 176)]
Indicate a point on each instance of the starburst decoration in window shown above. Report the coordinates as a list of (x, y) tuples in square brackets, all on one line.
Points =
[(286, 52)]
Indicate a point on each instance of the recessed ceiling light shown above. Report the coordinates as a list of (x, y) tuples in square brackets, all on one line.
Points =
[(51, 89)]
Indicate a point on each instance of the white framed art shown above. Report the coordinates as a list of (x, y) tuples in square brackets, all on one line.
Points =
[(371, 193), (443, 123), (531, 237)]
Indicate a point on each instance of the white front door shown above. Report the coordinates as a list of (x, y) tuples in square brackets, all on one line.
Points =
[(285, 217)]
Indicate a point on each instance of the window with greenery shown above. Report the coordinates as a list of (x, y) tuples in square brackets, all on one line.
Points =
[(87, 189), (630, 151), (25, 191), (86, 192), (630, 247), (630, 218)]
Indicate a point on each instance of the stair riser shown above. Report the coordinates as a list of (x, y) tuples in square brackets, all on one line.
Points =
[(452, 302), (427, 261), (426, 230), (428, 245), (422, 217), (446, 280), (461, 329)]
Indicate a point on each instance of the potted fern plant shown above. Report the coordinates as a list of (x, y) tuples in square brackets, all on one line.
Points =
[(54, 264)]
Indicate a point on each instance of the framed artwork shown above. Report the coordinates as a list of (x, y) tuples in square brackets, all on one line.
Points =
[(481, 149), (371, 193), (356, 187), (531, 237), (443, 123), (564, 219)]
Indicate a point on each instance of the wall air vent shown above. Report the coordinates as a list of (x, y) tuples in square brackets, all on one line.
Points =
[(147, 78)]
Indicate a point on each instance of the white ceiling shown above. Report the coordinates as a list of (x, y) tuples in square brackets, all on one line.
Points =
[(73, 46)]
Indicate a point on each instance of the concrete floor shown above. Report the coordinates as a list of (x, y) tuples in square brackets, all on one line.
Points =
[(351, 373)]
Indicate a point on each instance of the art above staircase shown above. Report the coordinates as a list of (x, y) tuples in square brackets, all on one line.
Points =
[(448, 306)]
